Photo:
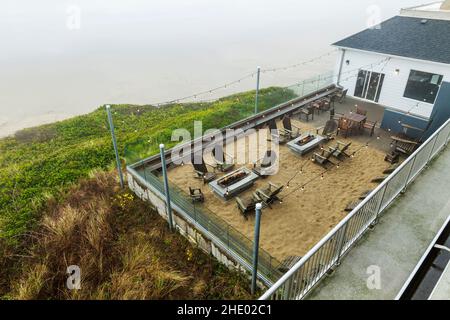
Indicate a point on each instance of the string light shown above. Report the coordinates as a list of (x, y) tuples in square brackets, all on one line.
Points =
[(251, 75)]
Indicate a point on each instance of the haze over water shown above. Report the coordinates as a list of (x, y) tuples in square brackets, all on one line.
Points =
[(142, 52)]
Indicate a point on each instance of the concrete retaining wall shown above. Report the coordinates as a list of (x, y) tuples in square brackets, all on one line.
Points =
[(183, 226)]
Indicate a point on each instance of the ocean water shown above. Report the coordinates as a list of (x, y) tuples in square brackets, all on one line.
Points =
[(62, 58)]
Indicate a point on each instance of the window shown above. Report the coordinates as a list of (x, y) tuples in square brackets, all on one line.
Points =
[(368, 85), (423, 86)]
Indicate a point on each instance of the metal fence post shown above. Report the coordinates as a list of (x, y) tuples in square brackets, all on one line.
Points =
[(166, 186), (256, 247), (287, 289), (409, 173), (432, 148), (340, 244), (380, 202), (258, 73), (113, 136), (448, 135)]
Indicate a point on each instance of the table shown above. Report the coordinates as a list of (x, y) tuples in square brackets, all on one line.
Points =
[(356, 118)]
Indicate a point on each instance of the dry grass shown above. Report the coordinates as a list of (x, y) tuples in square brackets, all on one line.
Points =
[(123, 248)]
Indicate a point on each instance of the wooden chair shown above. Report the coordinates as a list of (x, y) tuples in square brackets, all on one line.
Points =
[(270, 194), (307, 111), (247, 206), (318, 105), (361, 111), (264, 167), (369, 125), (288, 129), (329, 129), (341, 96), (196, 195), (275, 133), (345, 127), (392, 157), (322, 158), (201, 170), (219, 158), (340, 150), (405, 145)]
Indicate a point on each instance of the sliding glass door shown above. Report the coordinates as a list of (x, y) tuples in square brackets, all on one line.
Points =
[(368, 85)]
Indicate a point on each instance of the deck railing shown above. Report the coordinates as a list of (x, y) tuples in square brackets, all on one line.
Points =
[(326, 254)]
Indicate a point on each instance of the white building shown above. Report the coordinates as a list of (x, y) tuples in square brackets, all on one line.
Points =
[(402, 64)]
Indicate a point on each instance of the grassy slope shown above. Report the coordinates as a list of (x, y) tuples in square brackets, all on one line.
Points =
[(124, 251), (41, 162)]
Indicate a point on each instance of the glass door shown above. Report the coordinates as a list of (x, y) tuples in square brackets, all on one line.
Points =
[(368, 85)]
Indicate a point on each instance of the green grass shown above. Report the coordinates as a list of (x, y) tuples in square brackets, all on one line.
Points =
[(43, 161)]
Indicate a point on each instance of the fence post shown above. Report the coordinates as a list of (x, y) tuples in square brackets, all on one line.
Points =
[(380, 202), (166, 186), (256, 247), (258, 72), (340, 244), (432, 148), (288, 289), (448, 135), (113, 136), (409, 173)]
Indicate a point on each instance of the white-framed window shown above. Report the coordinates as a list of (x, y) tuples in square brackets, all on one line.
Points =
[(368, 85)]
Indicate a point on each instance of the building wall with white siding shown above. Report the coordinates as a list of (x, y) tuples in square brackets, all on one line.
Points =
[(392, 91)]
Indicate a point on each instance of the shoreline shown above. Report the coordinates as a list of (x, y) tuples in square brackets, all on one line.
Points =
[(9, 127)]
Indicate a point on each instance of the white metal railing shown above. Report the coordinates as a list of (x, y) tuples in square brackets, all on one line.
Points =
[(326, 254)]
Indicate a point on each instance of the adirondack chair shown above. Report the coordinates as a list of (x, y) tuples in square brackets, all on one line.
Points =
[(265, 167), (281, 139), (270, 194), (328, 130), (219, 158), (196, 195), (247, 206), (340, 150), (322, 158), (405, 144), (288, 129), (201, 170)]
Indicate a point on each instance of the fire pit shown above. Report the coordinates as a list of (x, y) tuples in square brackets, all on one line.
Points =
[(305, 143), (234, 183)]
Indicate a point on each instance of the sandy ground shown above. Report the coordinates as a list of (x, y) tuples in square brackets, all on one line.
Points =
[(292, 227)]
